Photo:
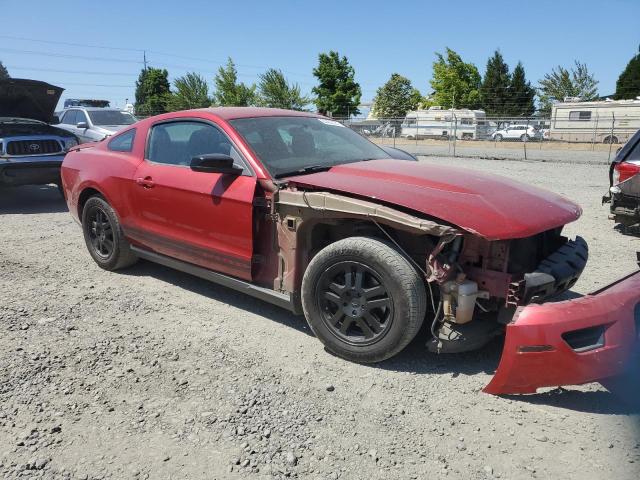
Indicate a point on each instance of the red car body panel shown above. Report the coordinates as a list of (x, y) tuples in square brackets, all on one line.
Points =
[(495, 208), (535, 354)]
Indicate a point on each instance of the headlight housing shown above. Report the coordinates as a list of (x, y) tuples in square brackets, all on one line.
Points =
[(70, 143)]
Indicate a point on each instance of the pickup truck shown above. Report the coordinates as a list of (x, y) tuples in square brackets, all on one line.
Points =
[(31, 150)]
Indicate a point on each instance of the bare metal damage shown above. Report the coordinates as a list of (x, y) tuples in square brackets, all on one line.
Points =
[(298, 211)]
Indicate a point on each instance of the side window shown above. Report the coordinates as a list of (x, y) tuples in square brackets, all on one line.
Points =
[(580, 116), (635, 153), (81, 117), (176, 143), (122, 142), (69, 117)]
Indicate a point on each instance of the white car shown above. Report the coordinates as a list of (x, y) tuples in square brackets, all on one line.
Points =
[(92, 124), (516, 132)]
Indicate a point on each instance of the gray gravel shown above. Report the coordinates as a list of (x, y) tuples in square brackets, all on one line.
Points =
[(150, 373)]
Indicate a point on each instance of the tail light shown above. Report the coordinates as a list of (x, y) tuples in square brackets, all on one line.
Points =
[(623, 171)]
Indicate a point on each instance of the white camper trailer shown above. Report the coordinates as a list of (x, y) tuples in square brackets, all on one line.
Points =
[(602, 122), (439, 123)]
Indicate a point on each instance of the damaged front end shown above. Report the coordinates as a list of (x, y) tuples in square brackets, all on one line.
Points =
[(481, 283)]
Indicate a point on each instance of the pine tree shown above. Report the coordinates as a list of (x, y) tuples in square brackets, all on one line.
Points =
[(152, 91), (276, 92), (230, 92), (520, 101), (191, 91), (628, 84), (494, 91), (4, 74)]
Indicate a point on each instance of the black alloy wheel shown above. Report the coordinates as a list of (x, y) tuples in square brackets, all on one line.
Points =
[(356, 306), (100, 232), (104, 237)]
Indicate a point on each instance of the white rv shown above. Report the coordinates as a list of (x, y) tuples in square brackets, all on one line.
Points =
[(439, 123), (602, 121)]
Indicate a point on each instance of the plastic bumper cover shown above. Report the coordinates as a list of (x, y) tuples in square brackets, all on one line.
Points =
[(31, 171), (592, 338)]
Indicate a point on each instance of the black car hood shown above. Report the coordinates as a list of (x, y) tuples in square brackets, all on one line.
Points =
[(28, 99), (19, 129)]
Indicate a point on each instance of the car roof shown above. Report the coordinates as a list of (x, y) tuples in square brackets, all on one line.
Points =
[(94, 109), (232, 113)]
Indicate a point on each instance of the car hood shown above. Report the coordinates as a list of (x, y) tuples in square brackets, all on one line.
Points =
[(28, 99), (491, 206), (18, 129), (110, 129)]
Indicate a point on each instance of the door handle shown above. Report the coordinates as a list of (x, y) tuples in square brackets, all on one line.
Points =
[(145, 182)]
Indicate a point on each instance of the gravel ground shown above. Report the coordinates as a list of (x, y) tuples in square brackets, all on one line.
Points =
[(151, 373)]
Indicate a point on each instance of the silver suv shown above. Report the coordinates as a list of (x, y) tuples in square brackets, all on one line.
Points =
[(92, 124)]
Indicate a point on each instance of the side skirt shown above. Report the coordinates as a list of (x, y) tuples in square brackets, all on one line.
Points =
[(282, 300)]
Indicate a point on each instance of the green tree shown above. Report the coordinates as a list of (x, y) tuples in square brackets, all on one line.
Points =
[(561, 82), (152, 91), (396, 97), (3, 72), (274, 91), (628, 84), (191, 91), (520, 99), (455, 84), (337, 92), (494, 91), (228, 91)]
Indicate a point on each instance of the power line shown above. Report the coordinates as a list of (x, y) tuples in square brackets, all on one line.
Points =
[(65, 55)]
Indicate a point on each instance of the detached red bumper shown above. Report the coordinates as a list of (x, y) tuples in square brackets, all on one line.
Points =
[(589, 339)]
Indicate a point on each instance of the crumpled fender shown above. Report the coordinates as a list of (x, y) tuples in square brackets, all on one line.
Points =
[(589, 339)]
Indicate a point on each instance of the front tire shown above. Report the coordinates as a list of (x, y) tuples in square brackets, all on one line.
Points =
[(363, 299), (498, 138), (103, 236)]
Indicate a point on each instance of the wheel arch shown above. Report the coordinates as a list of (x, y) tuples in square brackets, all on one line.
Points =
[(311, 221)]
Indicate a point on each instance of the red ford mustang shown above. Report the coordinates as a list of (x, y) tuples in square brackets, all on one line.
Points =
[(296, 209)]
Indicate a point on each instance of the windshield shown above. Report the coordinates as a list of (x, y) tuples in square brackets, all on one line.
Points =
[(289, 145), (111, 117)]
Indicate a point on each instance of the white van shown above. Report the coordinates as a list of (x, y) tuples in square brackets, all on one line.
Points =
[(435, 122)]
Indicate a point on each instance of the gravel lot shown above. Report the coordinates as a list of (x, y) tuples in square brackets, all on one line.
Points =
[(150, 373)]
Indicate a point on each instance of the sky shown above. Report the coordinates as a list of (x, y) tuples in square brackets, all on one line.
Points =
[(378, 37)]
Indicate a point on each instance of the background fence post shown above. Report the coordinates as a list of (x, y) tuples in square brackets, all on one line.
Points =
[(526, 137), (613, 121), (455, 133)]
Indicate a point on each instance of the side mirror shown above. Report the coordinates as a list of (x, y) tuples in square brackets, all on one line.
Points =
[(55, 120), (82, 125), (215, 163)]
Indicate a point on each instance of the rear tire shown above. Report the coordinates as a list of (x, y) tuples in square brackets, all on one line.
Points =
[(610, 139), (363, 299), (524, 137), (103, 236)]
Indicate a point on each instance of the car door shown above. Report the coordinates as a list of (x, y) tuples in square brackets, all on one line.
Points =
[(202, 218), (68, 122), (85, 133)]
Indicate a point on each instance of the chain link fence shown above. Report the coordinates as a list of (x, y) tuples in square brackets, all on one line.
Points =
[(446, 133)]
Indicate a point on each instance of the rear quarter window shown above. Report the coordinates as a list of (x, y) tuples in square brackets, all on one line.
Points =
[(122, 142)]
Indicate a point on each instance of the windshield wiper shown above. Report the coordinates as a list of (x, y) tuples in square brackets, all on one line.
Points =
[(302, 171)]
